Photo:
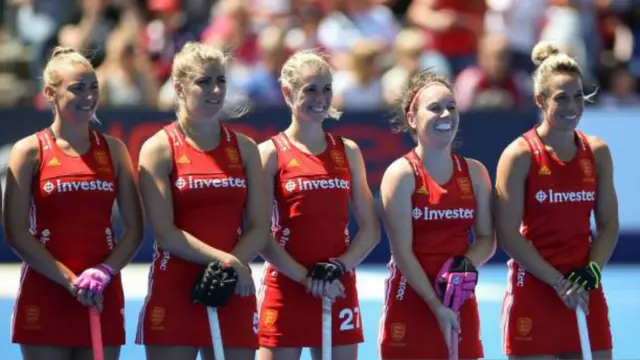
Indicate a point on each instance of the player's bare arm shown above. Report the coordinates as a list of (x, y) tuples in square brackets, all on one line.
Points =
[(256, 232), (606, 211), (362, 202), (484, 244), (23, 164), (274, 252), (154, 167), (398, 184), (511, 175), (129, 207)]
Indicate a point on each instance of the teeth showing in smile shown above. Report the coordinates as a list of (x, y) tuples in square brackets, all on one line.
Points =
[(572, 117), (443, 127), (317, 109), (86, 108), (213, 101)]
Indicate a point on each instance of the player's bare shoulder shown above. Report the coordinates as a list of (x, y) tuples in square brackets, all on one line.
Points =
[(113, 142), (244, 141), (399, 175), (268, 155), (478, 172), (350, 146), (516, 156), (601, 152), (598, 146), (156, 151), (352, 151), (27, 150)]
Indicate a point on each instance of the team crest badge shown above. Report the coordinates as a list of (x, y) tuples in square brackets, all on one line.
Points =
[(587, 168), (157, 315), (32, 314), (232, 155), (101, 158), (465, 186), (337, 157), (524, 326), (398, 331), (269, 317)]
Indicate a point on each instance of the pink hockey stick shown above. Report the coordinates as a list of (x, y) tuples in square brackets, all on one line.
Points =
[(96, 334)]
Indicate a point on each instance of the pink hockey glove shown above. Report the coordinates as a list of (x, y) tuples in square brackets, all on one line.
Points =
[(456, 282), (96, 278)]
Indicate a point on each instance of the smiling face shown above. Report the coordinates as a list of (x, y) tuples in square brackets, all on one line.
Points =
[(435, 117), (204, 91), (563, 101), (75, 95), (313, 97)]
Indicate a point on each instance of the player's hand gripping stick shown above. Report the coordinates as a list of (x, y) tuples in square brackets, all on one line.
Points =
[(455, 283), (213, 289)]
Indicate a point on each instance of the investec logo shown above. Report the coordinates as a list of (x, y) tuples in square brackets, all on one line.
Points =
[(70, 186), (557, 197), (305, 185), (442, 214), (191, 183)]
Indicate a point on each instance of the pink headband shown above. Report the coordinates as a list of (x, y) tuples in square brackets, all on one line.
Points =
[(415, 96)]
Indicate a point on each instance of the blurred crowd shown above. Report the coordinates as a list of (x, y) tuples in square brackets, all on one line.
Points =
[(482, 46)]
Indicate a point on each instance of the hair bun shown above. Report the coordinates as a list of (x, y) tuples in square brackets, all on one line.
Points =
[(61, 50), (542, 51)]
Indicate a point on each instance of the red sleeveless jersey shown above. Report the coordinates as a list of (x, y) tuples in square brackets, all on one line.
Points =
[(311, 203), (72, 202), (209, 191), (559, 199), (72, 199), (443, 215)]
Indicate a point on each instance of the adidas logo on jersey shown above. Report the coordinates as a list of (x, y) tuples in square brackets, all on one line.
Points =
[(71, 186), (183, 160), (544, 170), (306, 185), (442, 214), (54, 162), (293, 163), (190, 182), (558, 197), (422, 191)]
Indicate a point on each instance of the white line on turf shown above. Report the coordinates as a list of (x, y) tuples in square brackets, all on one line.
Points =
[(134, 279)]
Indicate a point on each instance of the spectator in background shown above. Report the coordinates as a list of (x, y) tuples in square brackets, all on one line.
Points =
[(492, 83), (304, 32), (452, 26), (125, 76), (262, 85), (359, 86), (622, 90), (519, 20), (37, 23), (412, 55), (231, 30), (165, 35), (353, 21)]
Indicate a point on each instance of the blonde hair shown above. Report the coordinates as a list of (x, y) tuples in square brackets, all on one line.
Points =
[(290, 74), (62, 55), (409, 99), (194, 57), (549, 61)]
